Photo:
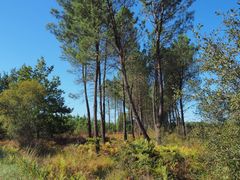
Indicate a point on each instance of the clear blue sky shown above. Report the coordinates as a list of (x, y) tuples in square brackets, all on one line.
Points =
[(24, 38)]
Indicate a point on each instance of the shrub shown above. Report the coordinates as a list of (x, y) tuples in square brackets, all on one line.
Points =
[(144, 159), (20, 106), (223, 160)]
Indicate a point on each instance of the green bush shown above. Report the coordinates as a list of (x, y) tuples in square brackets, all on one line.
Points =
[(223, 160), (144, 159)]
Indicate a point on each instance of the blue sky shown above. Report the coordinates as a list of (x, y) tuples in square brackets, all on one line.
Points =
[(24, 38)]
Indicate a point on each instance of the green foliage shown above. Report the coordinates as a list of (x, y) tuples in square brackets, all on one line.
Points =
[(221, 141), (221, 71), (30, 99), (78, 29), (81, 124), (143, 159), (20, 107), (223, 160)]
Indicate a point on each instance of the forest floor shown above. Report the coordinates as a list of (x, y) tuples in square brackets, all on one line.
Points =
[(77, 159)]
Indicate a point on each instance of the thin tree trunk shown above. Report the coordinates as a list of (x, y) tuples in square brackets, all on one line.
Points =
[(161, 101), (181, 102), (104, 91), (109, 115), (177, 118), (84, 74), (124, 114), (101, 102), (97, 144), (132, 123), (154, 101), (95, 92), (182, 117), (115, 115), (160, 77), (131, 116)]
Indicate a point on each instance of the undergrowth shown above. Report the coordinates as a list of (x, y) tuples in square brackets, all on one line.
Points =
[(117, 159)]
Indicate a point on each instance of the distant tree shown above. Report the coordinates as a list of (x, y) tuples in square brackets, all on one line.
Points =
[(181, 71), (169, 18), (123, 33)]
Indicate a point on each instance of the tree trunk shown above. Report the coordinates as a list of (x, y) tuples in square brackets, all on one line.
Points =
[(177, 118), (124, 114), (115, 115), (95, 92), (131, 99), (182, 117), (158, 65), (109, 115), (104, 91), (101, 99), (84, 74), (132, 123), (161, 101), (181, 108)]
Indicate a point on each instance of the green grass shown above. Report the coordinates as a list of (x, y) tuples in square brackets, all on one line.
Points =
[(10, 171)]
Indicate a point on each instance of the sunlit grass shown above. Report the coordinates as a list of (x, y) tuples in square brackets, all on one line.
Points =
[(80, 161)]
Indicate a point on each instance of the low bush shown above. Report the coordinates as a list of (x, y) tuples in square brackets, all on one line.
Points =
[(145, 159), (223, 157)]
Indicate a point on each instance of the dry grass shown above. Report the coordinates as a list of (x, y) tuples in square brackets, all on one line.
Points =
[(49, 160)]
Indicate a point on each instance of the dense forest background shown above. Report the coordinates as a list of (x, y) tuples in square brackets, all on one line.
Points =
[(139, 71)]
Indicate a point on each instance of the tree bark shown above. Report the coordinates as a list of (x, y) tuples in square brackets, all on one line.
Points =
[(84, 74), (109, 115), (160, 81), (158, 30), (132, 123), (95, 92), (124, 114), (115, 115), (101, 102), (104, 88), (181, 110)]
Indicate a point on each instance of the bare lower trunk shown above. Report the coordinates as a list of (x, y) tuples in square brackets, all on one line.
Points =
[(132, 123), (182, 118), (177, 118), (95, 92), (124, 114), (104, 92), (109, 115), (101, 103), (84, 74), (115, 116)]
